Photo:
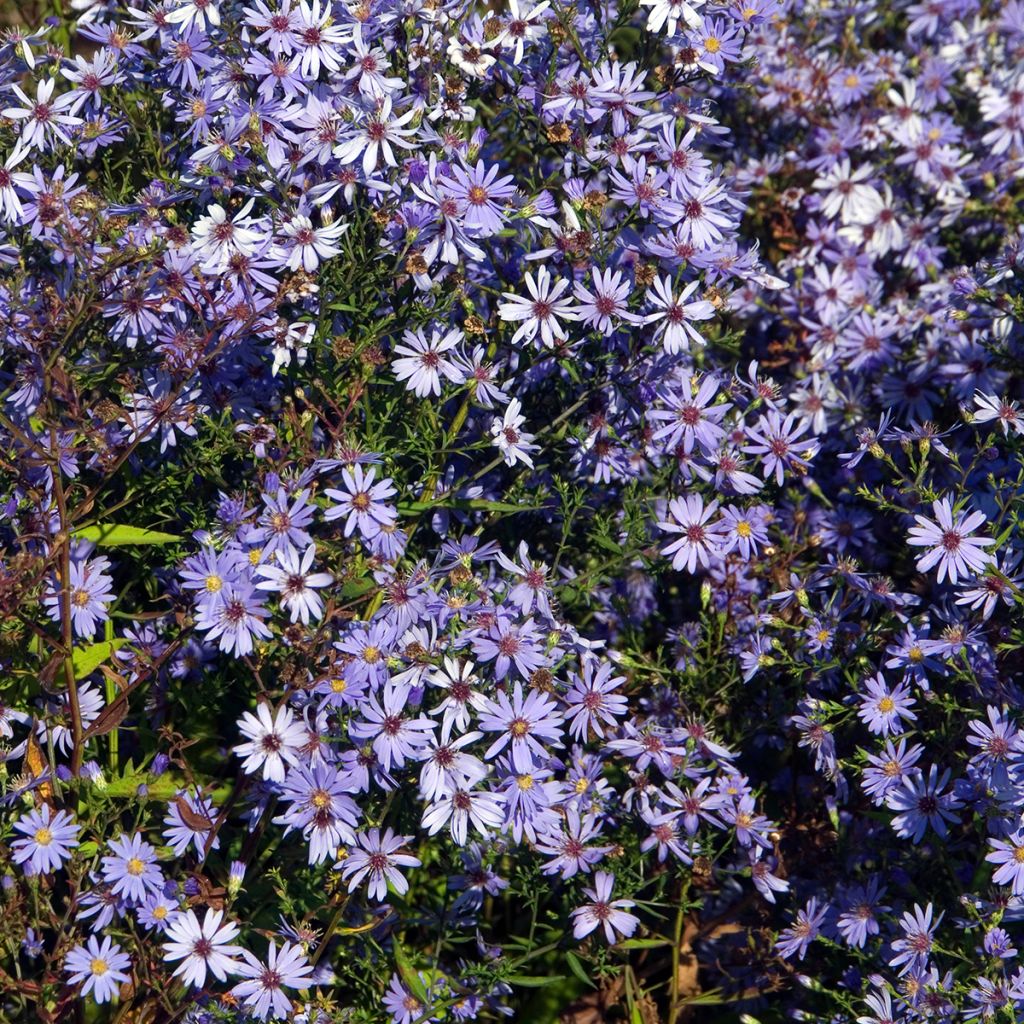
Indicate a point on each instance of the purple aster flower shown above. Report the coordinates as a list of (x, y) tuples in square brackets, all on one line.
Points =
[(362, 503), (189, 819), (273, 740), (775, 440), (50, 838), (912, 950), (508, 643), (321, 806), (158, 911), (445, 764), (953, 549), (605, 306), (102, 967), (396, 739), (698, 541), (567, 846), (508, 435), (675, 315), (131, 870), (91, 591), (794, 940), (484, 195), (458, 806), (525, 723), (921, 803), (375, 859), (376, 132), (202, 947), (593, 705), (457, 679), (292, 579), (533, 588), (235, 619), (423, 363), (45, 118), (261, 994), (542, 310), (604, 912), (884, 709), (859, 920), (282, 525), (692, 417), (1009, 856)]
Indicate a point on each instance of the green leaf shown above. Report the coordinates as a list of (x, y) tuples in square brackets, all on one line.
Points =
[(412, 981), (577, 968), (642, 943), (534, 980), (112, 535), (87, 659), (358, 587)]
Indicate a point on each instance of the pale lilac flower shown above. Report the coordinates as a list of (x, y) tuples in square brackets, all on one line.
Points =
[(1009, 856), (44, 116), (273, 740), (604, 912), (49, 839), (102, 966), (295, 583), (698, 540), (511, 440), (953, 549), (375, 859), (541, 311), (202, 947), (261, 994), (304, 246), (674, 314), (423, 362)]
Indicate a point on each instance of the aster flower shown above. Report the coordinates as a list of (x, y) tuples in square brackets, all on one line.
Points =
[(202, 947), (422, 362), (321, 806), (1008, 856), (235, 619), (189, 819), (362, 503), (274, 739), (262, 992), (525, 723), (913, 948), (482, 194), (698, 540), (375, 860), (458, 680), (692, 415), (91, 591), (1005, 413), (593, 706), (674, 315), (292, 579), (511, 440), (567, 846), (668, 13), (920, 803), (216, 238), (603, 911), (775, 440), (606, 305), (396, 738), (45, 118), (101, 966), (304, 246), (953, 549), (458, 806), (794, 940), (49, 838), (378, 131), (542, 311), (131, 869), (883, 709)]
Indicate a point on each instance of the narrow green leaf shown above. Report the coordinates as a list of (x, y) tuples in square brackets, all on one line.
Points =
[(113, 535), (577, 968), (642, 943), (412, 981), (534, 980), (87, 659)]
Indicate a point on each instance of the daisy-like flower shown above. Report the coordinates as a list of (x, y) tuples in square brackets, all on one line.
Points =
[(203, 14), (674, 314), (541, 311), (483, 194), (523, 723), (953, 549), (511, 440), (91, 591), (101, 966), (423, 362), (318, 39), (202, 947), (375, 859), (458, 807), (847, 194), (131, 870), (44, 116), (216, 238), (305, 246), (698, 539), (920, 802), (235, 619), (912, 950), (261, 993), (775, 440), (375, 136), (883, 709), (273, 741), (794, 940), (49, 839), (1002, 410), (362, 503), (604, 912), (603, 307), (668, 13), (1009, 856), (592, 703), (523, 25), (396, 738), (295, 583), (457, 679)]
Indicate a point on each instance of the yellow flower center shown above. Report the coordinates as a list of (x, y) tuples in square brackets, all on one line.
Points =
[(339, 685), (743, 529), (80, 598), (822, 636), (371, 655), (886, 704), (1018, 854), (159, 911), (254, 557), (99, 967), (712, 45), (44, 836), (320, 798), (524, 782), (213, 584), (582, 785), (915, 653), (135, 866)]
